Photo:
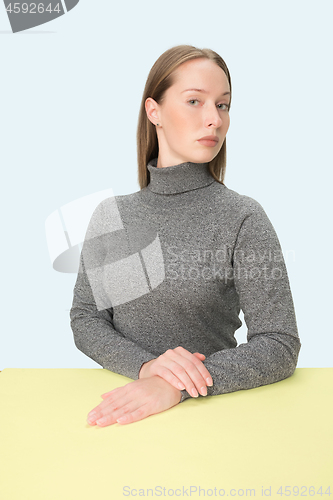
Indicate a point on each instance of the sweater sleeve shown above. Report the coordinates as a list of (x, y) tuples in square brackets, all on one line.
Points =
[(261, 281), (91, 312)]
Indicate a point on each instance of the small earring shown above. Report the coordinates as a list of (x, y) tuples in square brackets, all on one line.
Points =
[(157, 124)]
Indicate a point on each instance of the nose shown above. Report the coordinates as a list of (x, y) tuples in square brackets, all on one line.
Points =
[(213, 117)]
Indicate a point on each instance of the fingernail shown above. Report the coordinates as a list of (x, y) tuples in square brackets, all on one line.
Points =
[(209, 381), (181, 386), (101, 421), (194, 393), (203, 391), (92, 414)]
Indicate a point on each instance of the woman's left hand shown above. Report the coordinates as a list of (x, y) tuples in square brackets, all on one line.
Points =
[(134, 401)]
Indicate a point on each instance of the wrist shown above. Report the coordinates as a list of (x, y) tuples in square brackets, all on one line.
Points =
[(143, 369), (179, 395), (177, 392)]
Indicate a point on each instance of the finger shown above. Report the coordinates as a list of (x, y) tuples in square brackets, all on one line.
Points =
[(110, 415), (108, 419), (169, 377), (199, 355), (192, 385), (108, 410), (176, 373), (158, 367), (190, 374), (134, 416), (107, 394), (200, 366), (92, 417), (113, 398), (191, 371), (179, 380)]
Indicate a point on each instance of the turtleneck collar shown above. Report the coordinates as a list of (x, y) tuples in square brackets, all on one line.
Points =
[(178, 178)]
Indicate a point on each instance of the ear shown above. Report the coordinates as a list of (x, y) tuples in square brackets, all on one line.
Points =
[(152, 110)]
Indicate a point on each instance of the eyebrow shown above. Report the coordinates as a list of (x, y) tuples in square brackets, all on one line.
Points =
[(201, 90)]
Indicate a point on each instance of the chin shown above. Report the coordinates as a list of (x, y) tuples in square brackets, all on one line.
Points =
[(204, 157)]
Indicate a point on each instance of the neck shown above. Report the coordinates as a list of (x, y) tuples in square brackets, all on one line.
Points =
[(178, 178)]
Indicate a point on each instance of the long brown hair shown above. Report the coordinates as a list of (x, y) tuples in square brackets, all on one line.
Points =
[(160, 78)]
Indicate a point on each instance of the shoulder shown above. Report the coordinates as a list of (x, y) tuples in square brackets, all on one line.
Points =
[(112, 203), (240, 205), (107, 215)]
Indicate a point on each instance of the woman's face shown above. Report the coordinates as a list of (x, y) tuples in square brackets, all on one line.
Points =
[(185, 116)]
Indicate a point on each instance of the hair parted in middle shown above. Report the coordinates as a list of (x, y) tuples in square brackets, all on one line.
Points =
[(160, 78)]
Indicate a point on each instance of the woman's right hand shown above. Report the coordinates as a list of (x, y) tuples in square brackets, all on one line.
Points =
[(182, 369)]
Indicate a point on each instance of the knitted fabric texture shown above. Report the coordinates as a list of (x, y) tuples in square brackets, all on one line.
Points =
[(172, 265)]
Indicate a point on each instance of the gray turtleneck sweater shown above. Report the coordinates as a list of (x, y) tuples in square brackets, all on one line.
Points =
[(172, 265)]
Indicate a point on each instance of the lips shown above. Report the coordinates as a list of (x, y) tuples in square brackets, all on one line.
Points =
[(209, 138), (209, 141)]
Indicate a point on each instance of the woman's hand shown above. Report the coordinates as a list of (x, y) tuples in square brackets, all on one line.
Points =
[(134, 401), (182, 369)]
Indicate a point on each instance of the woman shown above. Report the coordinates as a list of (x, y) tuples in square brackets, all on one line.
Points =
[(165, 271)]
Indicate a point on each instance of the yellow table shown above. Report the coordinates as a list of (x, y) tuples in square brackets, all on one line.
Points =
[(268, 440)]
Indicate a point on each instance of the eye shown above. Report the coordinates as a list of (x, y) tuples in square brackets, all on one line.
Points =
[(227, 106), (219, 105)]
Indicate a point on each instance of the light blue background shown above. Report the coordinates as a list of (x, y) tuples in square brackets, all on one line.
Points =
[(70, 96)]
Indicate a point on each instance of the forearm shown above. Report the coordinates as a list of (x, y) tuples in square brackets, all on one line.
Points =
[(265, 359), (95, 335), (100, 342)]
